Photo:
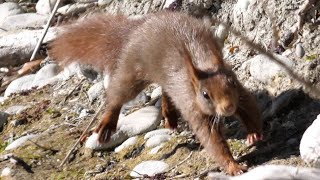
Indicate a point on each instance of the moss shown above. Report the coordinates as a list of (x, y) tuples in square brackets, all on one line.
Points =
[(3, 146)]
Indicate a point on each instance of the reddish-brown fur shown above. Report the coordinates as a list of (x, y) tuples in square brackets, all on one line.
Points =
[(179, 53)]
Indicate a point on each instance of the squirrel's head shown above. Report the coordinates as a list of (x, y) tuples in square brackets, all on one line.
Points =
[(215, 90)]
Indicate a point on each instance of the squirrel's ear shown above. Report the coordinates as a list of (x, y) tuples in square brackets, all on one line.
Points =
[(192, 71)]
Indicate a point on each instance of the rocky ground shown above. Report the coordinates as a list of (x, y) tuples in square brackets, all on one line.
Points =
[(45, 109)]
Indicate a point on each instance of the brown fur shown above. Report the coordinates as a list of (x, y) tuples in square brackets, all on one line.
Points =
[(179, 53)]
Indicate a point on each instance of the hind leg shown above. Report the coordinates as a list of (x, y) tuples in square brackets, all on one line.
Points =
[(122, 88), (169, 112)]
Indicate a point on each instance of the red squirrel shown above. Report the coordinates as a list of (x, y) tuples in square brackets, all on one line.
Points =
[(179, 53)]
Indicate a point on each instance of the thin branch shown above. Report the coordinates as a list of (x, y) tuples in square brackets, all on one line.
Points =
[(45, 30), (83, 133), (181, 161), (307, 84), (69, 94)]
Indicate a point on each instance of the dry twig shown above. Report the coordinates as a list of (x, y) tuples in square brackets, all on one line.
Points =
[(83, 133)]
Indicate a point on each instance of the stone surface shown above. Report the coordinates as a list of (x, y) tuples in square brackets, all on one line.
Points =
[(141, 98), (104, 2), (157, 140), (23, 21), (156, 93), (299, 50), (310, 144), (140, 121), (17, 109), (95, 91), (20, 141), (129, 142), (45, 73), (149, 168), (74, 9), (273, 172), (16, 47), (44, 7), (9, 9), (6, 172), (157, 132), (156, 149), (20, 84), (263, 69)]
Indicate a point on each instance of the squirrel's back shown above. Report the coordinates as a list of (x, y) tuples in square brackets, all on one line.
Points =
[(96, 40)]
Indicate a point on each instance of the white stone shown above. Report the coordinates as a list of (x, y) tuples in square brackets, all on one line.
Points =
[(23, 21), (20, 84), (3, 99), (95, 91), (263, 69), (138, 122), (73, 9), (157, 132), (310, 144), (156, 149), (44, 7), (157, 140), (16, 109), (149, 168), (9, 9), (277, 172), (16, 47), (168, 3), (129, 142), (156, 93), (104, 2), (70, 70), (299, 50), (20, 141), (6, 172), (45, 73)]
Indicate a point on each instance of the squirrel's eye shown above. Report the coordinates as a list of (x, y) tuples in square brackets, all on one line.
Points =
[(205, 95), (232, 82)]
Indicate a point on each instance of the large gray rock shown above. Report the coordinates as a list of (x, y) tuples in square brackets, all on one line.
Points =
[(74, 9), (44, 7), (149, 168), (9, 9), (268, 172), (23, 21), (263, 69), (95, 91), (141, 121), (310, 144), (16, 47)]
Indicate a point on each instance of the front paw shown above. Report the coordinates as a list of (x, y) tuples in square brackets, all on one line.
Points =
[(104, 133), (236, 169), (252, 138)]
